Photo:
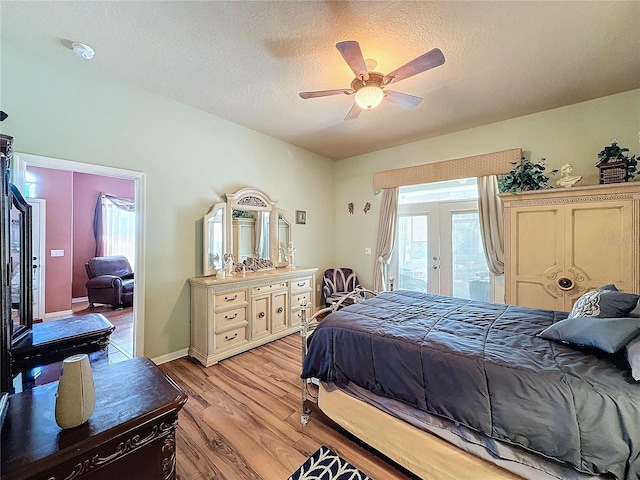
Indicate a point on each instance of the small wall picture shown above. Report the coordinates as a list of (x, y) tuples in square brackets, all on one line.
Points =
[(301, 217)]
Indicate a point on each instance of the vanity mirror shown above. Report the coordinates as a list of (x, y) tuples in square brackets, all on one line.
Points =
[(249, 226), (213, 227), (20, 264)]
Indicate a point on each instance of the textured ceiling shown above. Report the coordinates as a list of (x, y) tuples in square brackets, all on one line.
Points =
[(246, 61)]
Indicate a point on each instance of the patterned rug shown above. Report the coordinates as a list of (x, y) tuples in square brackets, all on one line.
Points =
[(325, 464)]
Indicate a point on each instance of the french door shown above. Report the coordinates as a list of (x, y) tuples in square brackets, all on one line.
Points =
[(439, 250)]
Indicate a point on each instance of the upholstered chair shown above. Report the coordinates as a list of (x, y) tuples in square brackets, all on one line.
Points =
[(336, 283), (110, 281)]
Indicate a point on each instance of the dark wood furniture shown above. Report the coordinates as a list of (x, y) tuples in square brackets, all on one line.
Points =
[(131, 433), (55, 340)]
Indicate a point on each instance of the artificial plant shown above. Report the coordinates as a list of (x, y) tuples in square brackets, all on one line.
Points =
[(525, 175)]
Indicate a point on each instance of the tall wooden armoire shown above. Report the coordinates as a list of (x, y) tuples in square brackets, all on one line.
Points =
[(562, 242)]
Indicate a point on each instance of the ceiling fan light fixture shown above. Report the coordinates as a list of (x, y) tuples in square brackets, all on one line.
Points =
[(369, 96)]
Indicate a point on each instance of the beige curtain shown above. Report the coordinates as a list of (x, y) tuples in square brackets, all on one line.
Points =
[(386, 237), (491, 223)]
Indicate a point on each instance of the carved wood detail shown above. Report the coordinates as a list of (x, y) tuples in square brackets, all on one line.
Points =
[(162, 429)]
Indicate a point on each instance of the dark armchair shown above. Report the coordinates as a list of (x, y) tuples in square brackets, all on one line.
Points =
[(110, 281), (337, 282)]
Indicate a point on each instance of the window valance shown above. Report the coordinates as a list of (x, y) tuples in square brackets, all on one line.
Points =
[(495, 163)]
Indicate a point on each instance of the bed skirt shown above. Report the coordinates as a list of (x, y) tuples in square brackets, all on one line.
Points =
[(437, 453)]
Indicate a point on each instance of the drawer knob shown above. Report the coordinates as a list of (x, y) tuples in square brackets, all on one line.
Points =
[(261, 315), (565, 283), (227, 317), (231, 299), (301, 284), (280, 310), (227, 337)]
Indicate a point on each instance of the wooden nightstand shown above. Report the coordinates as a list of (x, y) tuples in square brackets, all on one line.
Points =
[(131, 433)]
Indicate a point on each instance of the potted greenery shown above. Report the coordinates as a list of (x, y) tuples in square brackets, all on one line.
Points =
[(615, 165), (525, 175)]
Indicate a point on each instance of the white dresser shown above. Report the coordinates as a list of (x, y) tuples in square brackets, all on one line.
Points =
[(244, 311)]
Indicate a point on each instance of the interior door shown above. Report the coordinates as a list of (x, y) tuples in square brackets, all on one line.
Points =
[(38, 212)]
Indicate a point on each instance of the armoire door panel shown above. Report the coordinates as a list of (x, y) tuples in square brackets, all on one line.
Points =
[(599, 243), (535, 252), (536, 294), (580, 238)]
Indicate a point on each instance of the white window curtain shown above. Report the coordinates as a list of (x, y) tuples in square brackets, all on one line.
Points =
[(491, 223), (114, 227), (386, 237), (261, 235)]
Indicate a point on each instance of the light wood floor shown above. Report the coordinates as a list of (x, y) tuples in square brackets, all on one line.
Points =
[(122, 319), (242, 419)]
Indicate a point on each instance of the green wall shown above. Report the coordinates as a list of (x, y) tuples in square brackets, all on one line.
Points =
[(573, 134), (70, 111)]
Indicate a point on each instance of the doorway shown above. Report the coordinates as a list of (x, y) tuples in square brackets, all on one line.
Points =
[(38, 215), (438, 245), (22, 160)]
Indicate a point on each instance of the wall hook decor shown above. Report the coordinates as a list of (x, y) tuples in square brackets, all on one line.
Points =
[(367, 207), (350, 207)]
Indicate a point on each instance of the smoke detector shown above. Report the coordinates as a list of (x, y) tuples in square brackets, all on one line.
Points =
[(82, 50)]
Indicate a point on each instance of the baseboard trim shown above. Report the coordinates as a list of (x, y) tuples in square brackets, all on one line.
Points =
[(170, 356), (57, 315), (79, 299)]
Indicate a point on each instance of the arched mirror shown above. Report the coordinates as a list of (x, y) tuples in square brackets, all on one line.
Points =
[(249, 226), (214, 240)]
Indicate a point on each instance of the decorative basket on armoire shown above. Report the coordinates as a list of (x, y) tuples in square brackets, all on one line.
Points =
[(614, 165)]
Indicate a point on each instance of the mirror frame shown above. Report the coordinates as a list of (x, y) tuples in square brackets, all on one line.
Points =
[(281, 213), (25, 310), (215, 209), (253, 199)]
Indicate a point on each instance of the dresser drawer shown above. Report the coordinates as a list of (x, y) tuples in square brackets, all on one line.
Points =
[(226, 319), (304, 284), (296, 298), (222, 341), (224, 300), (269, 288)]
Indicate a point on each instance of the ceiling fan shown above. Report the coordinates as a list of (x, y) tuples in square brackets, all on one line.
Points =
[(369, 87)]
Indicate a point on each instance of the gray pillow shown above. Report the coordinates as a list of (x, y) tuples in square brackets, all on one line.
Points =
[(633, 357), (635, 312), (607, 334), (604, 304)]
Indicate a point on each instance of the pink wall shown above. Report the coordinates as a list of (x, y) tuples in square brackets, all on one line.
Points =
[(56, 187), (71, 198), (86, 189)]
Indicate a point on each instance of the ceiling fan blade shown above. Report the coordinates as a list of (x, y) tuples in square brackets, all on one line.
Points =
[(431, 59), (404, 100), (352, 54), (326, 93), (353, 113)]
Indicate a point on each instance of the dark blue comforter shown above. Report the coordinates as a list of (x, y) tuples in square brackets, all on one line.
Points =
[(484, 366)]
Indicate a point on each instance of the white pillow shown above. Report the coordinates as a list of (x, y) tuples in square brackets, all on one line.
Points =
[(604, 304)]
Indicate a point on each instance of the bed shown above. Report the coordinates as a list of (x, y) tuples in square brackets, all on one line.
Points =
[(478, 376)]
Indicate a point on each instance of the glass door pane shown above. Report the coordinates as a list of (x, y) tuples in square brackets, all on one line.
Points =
[(413, 253), (470, 274)]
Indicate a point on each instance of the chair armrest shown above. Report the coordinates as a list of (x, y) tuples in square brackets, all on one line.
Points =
[(105, 281)]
